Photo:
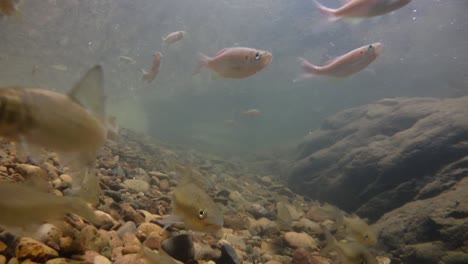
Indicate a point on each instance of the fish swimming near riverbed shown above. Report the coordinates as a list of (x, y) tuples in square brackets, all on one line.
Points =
[(193, 206), (24, 206), (348, 252), (73, 125)]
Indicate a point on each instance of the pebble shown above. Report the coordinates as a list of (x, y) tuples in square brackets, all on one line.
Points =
[(3, 246), (31, 249), (236, 241), (179, 247), (153, 241), (92, 239), (49, 235), (101, 260), (164, 185), (31, 171), (236, 221), (103, 219), (63, 261), (130, 214), (146, 229), (136, 185), (127, 227), (300, 240), (228, 253), (115, 195), (257, 210)]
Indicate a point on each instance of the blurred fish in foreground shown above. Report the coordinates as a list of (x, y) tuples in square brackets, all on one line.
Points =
[(193, 206), (173, 37), (351, 227), (9, 7), (25, 206), (72, 125), (63, 123), (348, 252), (237, 62), (361, 8), (155, 67), (342, 66)]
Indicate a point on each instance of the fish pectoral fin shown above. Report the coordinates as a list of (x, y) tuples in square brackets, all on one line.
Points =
[(89, 92), (29, 153), (170, 220)]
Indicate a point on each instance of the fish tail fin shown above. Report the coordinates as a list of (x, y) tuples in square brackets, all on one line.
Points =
[(144, 74), (326, 12), (163, 43), (308, 70), (329, 240), (203, 61)]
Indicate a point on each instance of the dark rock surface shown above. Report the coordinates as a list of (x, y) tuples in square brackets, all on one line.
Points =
[(377, 157), (428, 230)]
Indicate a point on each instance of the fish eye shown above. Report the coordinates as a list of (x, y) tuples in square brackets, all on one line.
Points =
[(370, 47), (258, 56), (201, 214)]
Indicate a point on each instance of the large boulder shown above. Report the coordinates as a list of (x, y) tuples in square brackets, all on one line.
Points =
[(429, 230), (375, 158)]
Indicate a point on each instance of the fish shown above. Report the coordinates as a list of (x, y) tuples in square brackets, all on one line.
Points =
[(355, 228), (61, 122), (173, 37), (235, 62), (348, 252), (193, 206), (9, 7), (73, 125), (25, 205), (127, 59), (251, 112), (351, 227), (361, 8), (155, 67), (342, 66)]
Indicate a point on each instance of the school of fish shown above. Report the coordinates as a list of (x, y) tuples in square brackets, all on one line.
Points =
[(76, 124)]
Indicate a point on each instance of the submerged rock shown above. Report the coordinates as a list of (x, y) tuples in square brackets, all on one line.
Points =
[(179, 247), (426, 230), (30, 249), (375, 158)]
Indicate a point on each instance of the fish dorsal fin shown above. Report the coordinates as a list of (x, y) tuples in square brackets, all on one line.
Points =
[(221, 51), (89, 92)]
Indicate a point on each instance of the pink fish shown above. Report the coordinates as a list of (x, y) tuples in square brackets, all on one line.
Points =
[(345, 65), (361, 8), (173, 37), (149, 76), (237, 62)]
